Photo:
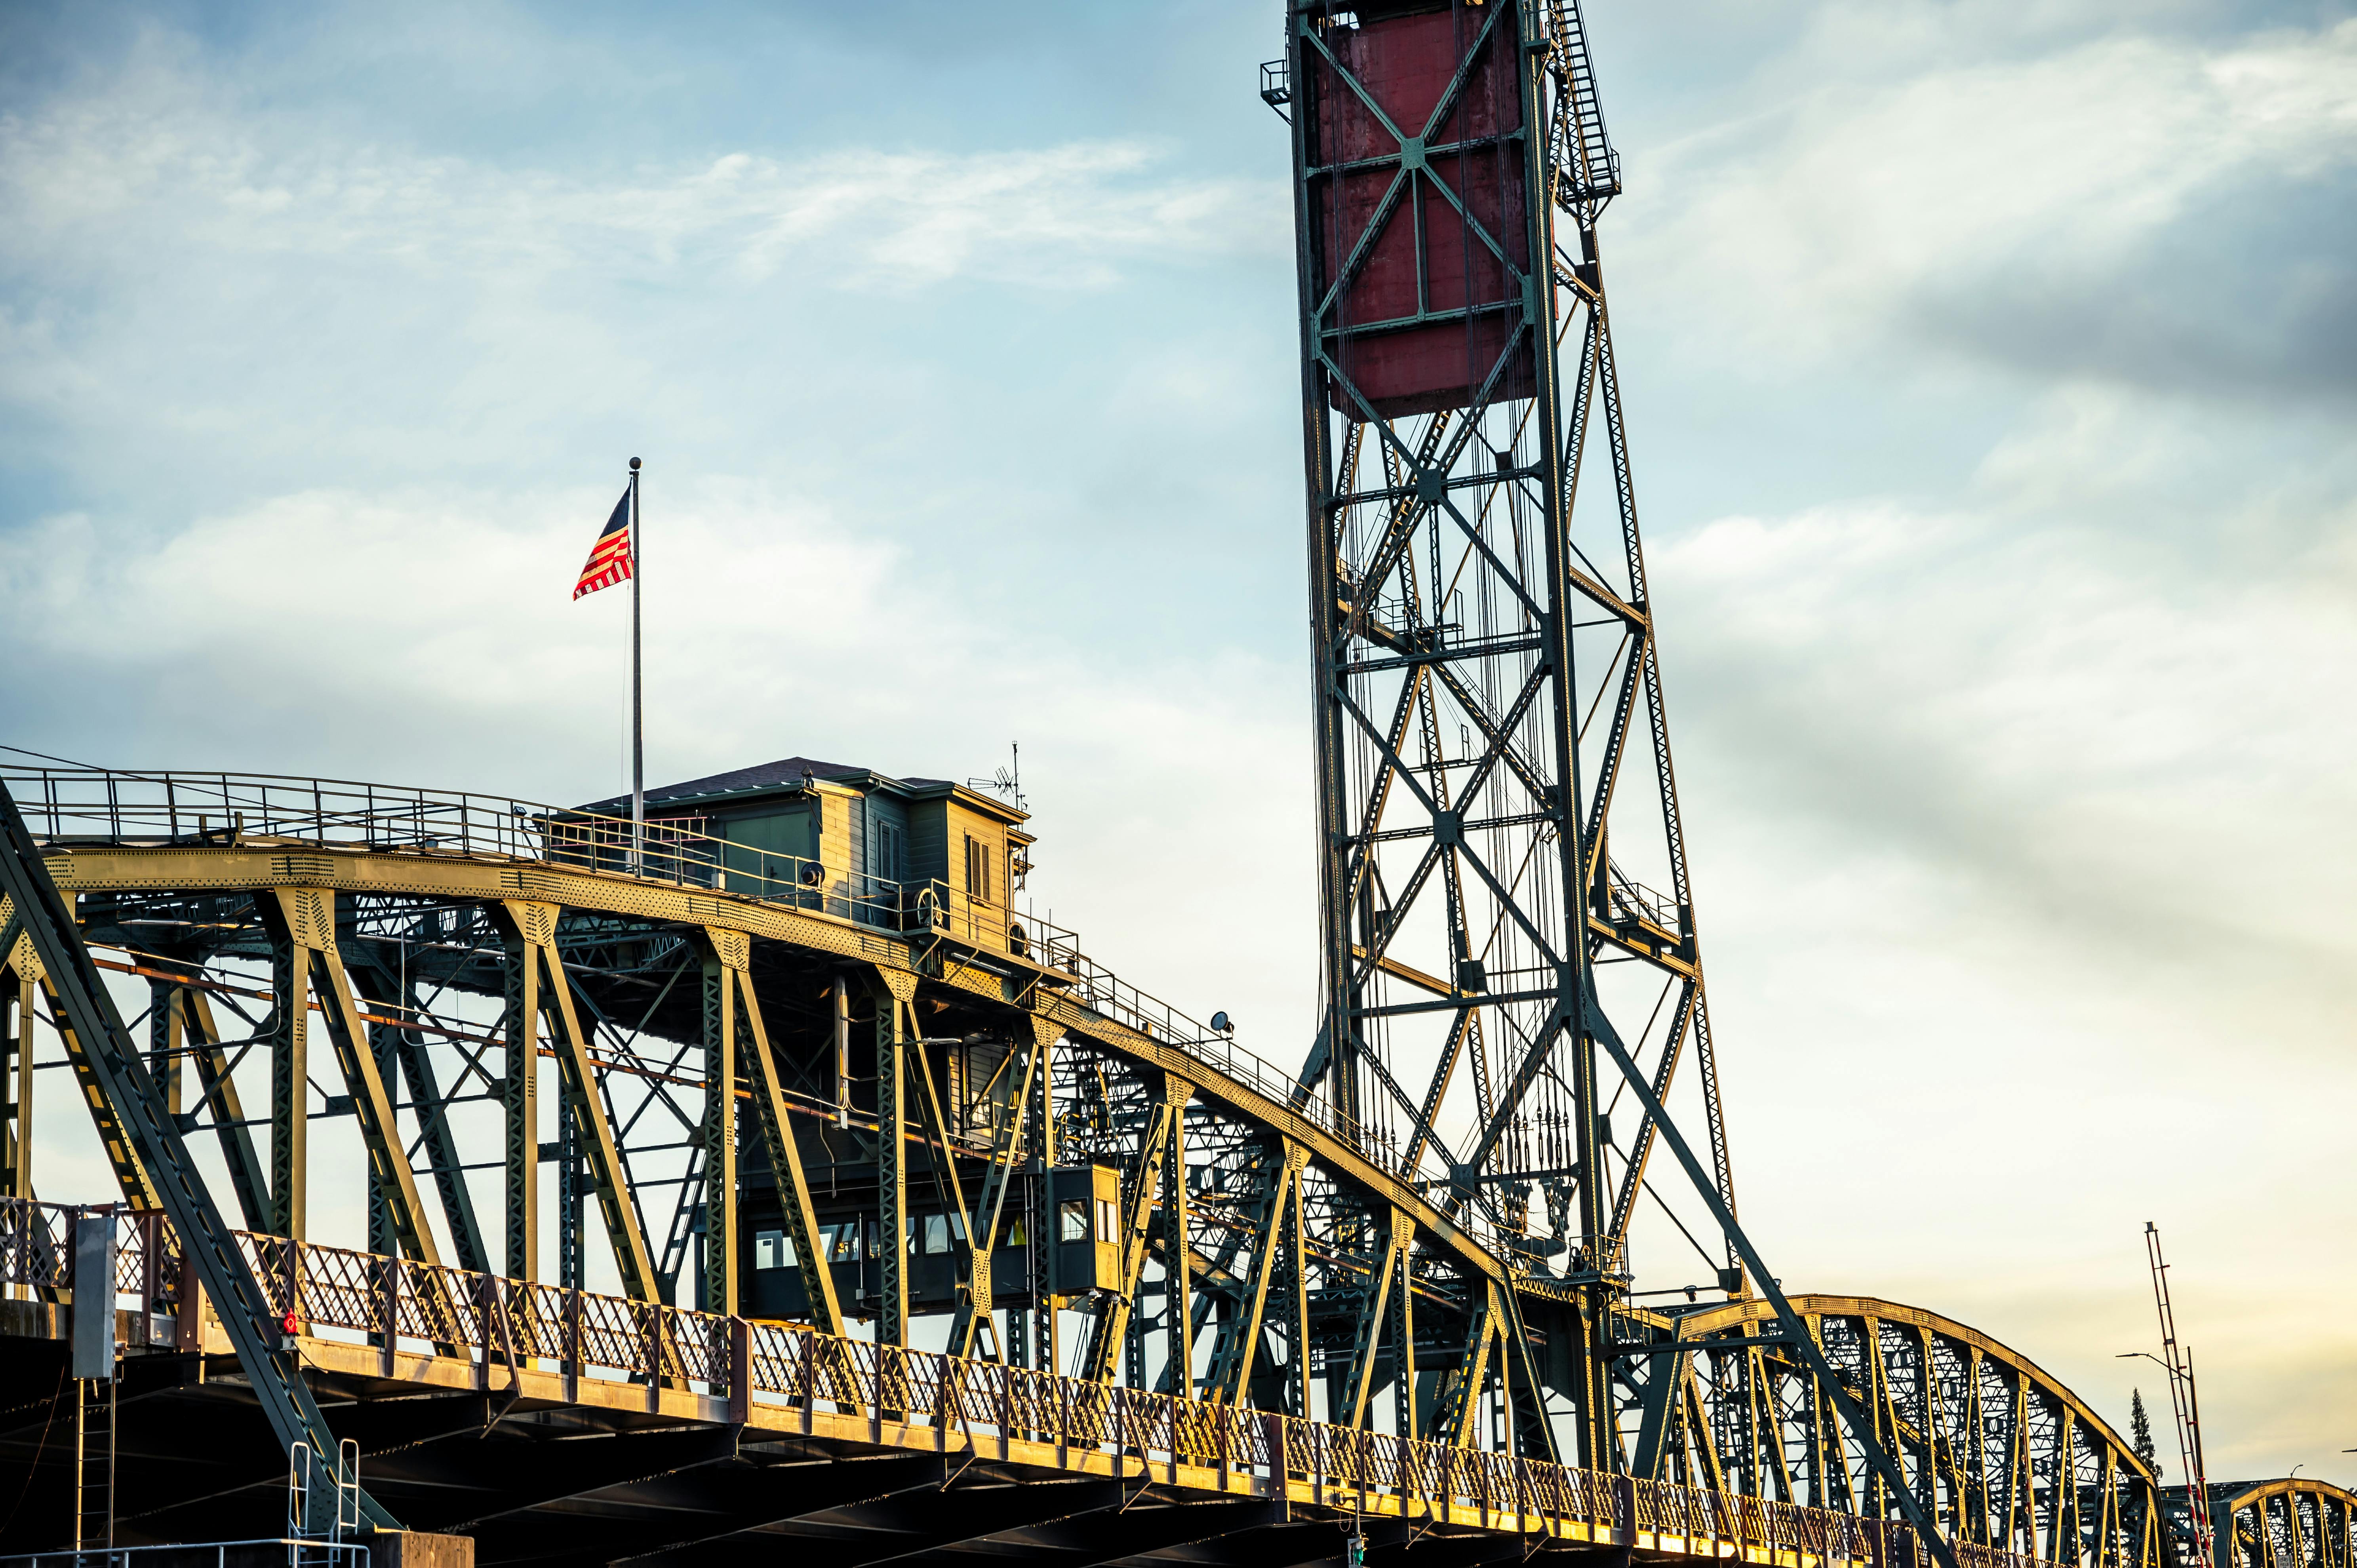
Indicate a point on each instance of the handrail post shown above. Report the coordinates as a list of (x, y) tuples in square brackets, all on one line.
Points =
[(486, 1299), (572, 1346), (1279, 1469), (151, 1263), (944, 1401), (390, 1297), (189, 1334), (813, 1344), (740, 1371), (652, 1318)]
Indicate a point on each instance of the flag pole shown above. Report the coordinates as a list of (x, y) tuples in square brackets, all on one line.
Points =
[(638, 701)]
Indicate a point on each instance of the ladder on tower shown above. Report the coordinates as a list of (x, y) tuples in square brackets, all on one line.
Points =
[(323, 1509), (2184, 1400), (1586, 168), (93, 1464)]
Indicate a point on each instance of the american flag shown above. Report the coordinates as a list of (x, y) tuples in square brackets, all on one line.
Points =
[(609, 558)]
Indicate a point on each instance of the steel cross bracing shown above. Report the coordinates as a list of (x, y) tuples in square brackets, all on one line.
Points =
[(694, 1432), (143, 1138), (1314, 1282), (2289, 1522), (1487, 682)]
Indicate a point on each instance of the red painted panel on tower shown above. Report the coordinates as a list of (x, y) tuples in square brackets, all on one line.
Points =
[(1402, 247)]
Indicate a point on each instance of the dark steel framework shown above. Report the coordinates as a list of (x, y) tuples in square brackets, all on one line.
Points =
[(1316, 1281), (2289, 1522), (1487, 686)]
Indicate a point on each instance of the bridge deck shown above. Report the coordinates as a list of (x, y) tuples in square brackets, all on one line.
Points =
[(496, 1355)]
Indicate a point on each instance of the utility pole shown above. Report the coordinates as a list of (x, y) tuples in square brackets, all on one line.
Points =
[(2184, 1399)]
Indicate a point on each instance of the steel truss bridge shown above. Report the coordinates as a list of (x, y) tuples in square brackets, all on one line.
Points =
[(439, 961), (688, 1201)]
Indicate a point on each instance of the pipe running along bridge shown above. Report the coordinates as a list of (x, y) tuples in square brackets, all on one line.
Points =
[(764, 1177)]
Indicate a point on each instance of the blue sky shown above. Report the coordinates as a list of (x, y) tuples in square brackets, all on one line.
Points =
[(1990, 370)]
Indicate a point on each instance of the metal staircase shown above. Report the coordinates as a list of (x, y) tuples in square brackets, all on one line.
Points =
[(1588, 169)]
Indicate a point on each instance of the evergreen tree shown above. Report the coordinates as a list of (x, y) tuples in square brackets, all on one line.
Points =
[(2140, 1433)]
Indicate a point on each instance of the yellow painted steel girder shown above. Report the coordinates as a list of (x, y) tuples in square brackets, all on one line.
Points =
[(2243, 1494), (1736, 1314), (257, 867)]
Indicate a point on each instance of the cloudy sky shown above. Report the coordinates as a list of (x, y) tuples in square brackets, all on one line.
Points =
[(1991, 370)]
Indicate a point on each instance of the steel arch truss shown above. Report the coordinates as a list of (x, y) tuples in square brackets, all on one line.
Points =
[(1254, 1257), (2001, 1454), (2287, 1523), (671, 1055)]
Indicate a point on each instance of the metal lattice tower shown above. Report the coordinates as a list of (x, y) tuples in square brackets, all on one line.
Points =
[(1488, 694)]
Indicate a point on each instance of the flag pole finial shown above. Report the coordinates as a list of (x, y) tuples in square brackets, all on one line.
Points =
[(634, 463)]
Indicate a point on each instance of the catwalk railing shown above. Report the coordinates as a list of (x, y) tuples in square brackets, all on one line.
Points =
[(70, 806), (500, 1328)]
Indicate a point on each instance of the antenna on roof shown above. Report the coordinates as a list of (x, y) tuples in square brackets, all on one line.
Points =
[(1007, 783)]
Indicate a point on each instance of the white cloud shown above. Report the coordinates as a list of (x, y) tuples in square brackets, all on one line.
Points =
[(381, 637), (158, 155), (1813, 226), (2023, 846), (2097, 743)]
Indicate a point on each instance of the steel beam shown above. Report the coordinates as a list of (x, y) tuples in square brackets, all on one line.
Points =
[(123, 1154), (1295, 1272), (1110, 1332), (1044, 1334), (578, 1075), (718, 1131), (217, 1093), (1878, 1460), (289, 1031), (893, 989), (133, 868), (525, 927), (727, 1513), (732, 951), (919, 1526), (1229, 1381), (19, 990), (1456, 1421), (1374, 1317), (121, 1080), (308, 916), (990, 1201), (384, 988), (1178, 1253)]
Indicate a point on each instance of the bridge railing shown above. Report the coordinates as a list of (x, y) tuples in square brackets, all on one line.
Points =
[(36, 1247), (67, 805), (36, 1253), (500, 1328)]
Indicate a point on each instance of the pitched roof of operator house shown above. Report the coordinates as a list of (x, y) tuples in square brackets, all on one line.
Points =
[(787, 773)]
